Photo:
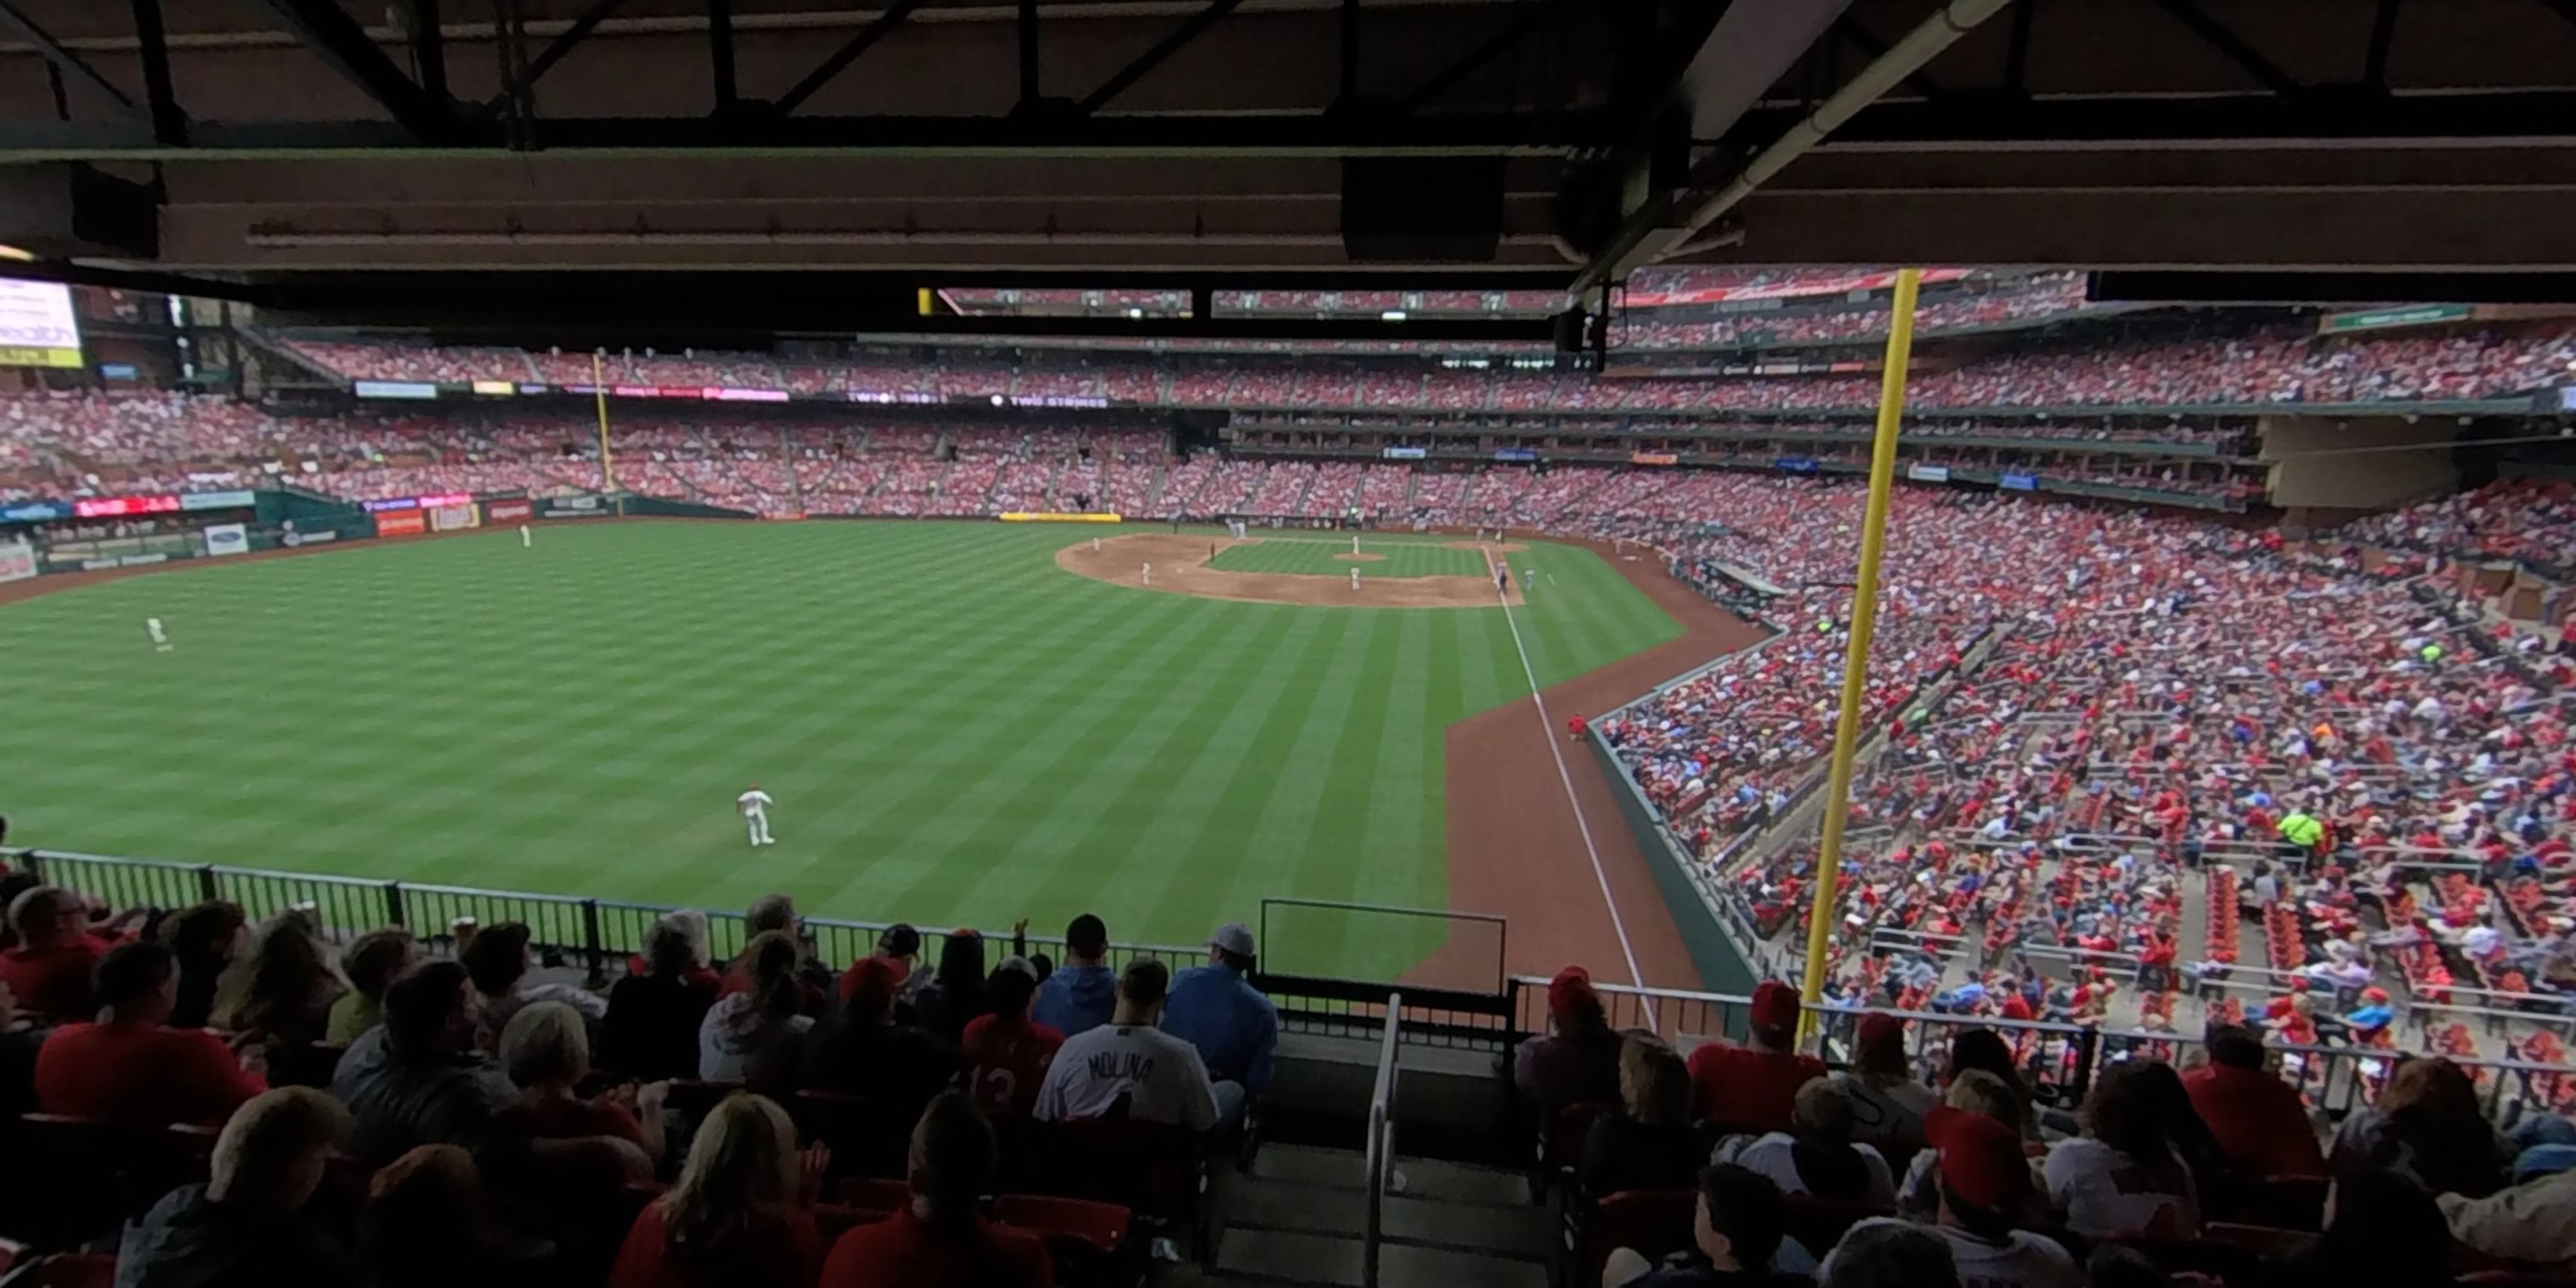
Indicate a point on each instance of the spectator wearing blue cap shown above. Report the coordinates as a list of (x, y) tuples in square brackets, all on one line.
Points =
[(1236, 1030), (2534, 1220)]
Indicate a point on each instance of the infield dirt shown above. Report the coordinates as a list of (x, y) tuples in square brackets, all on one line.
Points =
[(1180, 568)]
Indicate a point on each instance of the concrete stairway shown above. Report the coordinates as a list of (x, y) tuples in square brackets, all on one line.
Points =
[(1298, 1217)]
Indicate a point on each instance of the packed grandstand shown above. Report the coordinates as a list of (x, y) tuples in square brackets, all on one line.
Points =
[(2136, 772)]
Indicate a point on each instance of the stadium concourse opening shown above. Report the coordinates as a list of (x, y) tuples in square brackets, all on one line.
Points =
[(1180, 564)]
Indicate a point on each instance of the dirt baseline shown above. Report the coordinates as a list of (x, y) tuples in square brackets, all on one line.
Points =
[(1180, 568)]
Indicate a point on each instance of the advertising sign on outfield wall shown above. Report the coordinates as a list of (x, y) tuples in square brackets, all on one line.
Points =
[(17, 561), (228, 539), (412, 389), (293, 538), (449, 518), (573, 507), (235, 500), (401, 523), (34, 512), (507, 511)]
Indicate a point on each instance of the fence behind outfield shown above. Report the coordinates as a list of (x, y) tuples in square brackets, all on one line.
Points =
[(2059, 1061)]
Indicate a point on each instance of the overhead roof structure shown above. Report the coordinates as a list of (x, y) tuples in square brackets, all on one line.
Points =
[(820, 163)]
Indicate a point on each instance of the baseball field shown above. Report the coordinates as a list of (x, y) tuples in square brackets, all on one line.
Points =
[(957, 728)]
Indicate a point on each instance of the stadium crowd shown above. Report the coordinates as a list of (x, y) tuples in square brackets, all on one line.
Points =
[(2048, 295), (1751, 1164), (2262, 366), (279, 1109)]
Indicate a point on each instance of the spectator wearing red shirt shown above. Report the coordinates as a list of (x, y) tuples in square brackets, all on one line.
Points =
[(547, 1051), (1755, 1087), (2260, 1124), (49, 969), (1006, 1053), (740, 1216), (939, 1240), (128, 1068)]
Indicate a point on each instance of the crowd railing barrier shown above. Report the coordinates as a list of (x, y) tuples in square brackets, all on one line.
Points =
[(1381, 1139), (2058, 1059)]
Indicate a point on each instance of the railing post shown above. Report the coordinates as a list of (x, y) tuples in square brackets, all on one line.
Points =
[(394, 904), (590, 940), (2088, 1048), (207, 888)]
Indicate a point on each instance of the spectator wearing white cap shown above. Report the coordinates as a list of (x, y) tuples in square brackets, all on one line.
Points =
[(1236, 1030)]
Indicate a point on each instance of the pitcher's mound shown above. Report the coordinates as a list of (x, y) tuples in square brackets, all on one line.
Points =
[(1179, 567)]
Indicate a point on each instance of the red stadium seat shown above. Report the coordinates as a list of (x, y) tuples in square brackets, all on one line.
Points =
[(1088, 1241), (99, 1173), (1560, 1146), (873, 1193), (1157, 1171), (305, 1065), (1653, 1222), (1818, 1224), (868, 1137), (69, 1270)]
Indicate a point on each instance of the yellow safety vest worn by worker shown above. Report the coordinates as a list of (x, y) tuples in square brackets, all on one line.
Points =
[(2302, 830)]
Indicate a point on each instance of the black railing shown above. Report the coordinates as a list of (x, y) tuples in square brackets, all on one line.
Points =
[(2059, 1060)]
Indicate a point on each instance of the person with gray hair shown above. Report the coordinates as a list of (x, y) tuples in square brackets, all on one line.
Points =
[(246, 1224), (651, 1028), (547, 1052)]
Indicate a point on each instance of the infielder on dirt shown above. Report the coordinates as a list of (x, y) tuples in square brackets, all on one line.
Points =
[(754, 805)]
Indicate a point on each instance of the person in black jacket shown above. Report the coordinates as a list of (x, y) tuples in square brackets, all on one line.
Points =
[(247, 1224), (1647, 1143), (651, 1029)]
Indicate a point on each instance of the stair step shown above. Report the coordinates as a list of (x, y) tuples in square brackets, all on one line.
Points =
[(1330, 1259), (1521, 1231), (1424, 1178)]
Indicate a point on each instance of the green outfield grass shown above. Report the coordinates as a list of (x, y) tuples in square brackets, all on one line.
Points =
[(1323, 555), (956, 730)]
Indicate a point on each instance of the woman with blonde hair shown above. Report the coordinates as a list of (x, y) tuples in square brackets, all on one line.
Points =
[(1647, 1142), (741, 1214)]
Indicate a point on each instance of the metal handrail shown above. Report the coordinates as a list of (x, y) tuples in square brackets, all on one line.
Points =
[(1381, 1140)]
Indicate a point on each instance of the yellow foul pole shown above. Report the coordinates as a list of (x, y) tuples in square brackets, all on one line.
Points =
[(1864, 615), (599, 391)]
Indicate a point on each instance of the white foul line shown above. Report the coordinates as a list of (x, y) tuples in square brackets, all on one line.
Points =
[(1547, 730)]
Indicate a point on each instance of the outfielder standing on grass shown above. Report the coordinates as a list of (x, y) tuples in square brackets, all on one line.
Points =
[(754, 805)]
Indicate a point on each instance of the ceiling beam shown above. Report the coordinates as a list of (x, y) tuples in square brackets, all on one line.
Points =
[(1153, 57), (337, 39), (840, 59), (64, 61)]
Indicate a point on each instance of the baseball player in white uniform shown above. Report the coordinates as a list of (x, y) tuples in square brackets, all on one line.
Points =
[(754, 805), (160, 638)]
